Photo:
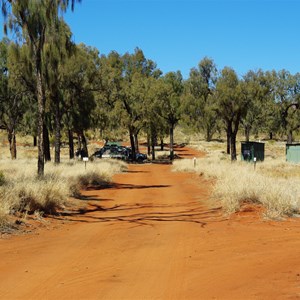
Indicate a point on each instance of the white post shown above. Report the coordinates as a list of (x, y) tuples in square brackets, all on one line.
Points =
[(85, 159)]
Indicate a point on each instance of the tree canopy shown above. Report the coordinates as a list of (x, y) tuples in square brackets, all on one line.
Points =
[(49, 85)]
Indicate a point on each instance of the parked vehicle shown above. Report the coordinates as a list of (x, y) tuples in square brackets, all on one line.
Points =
[(116, 151)]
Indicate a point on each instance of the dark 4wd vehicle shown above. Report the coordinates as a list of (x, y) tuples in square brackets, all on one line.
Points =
[(140, 157), (118, 152)]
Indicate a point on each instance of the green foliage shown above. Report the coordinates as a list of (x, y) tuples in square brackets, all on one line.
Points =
[(286, 95), (33, 21), (232, 105), (199, 100), (78, 79)]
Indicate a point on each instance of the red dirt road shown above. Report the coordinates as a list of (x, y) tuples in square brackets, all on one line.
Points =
[(152, 235)]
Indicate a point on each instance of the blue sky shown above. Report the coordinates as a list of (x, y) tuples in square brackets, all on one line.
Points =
[(177, 34)]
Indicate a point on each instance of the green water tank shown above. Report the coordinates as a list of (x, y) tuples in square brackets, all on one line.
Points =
[(293, 153), (252, 150)]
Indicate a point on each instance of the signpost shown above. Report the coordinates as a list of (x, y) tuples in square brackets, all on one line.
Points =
[(85, 159)]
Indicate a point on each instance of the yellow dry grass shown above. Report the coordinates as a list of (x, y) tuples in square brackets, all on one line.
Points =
[(22, 191), (273, 183)]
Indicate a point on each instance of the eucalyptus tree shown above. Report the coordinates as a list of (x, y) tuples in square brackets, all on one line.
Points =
[(34, 19), (155, 126), (79, 79), (257, 89), (232, 106), (56, 52), (3, 71), (199, 98), (286, 93), (123, 91), (122, 87), (22, 75), (106, 116), (14, 95), (136, 69), (171, 103), (18, 99), (8, 98)]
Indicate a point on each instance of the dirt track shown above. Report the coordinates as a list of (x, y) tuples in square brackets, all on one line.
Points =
[(152, 235)]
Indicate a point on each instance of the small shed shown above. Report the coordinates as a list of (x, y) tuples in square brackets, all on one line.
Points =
[(252, 149), (293, 153)]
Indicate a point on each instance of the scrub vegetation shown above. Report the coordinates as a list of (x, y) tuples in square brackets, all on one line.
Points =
[(273, 184), (22, 192), (58, 92)]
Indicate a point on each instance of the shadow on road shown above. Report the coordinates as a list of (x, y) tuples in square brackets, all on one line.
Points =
[(144, 214), (118, 186)]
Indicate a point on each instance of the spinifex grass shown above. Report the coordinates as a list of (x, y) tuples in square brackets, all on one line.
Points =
[(274, 183), (22, 191)]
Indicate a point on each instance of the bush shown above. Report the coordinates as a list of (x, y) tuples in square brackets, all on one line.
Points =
[(82, 181), (238, 183), (31, 194), (22, 191)]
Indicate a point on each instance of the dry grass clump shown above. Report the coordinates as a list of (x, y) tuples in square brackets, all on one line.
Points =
[(22, 191), (279, 168), (238, 183), (97, 173)]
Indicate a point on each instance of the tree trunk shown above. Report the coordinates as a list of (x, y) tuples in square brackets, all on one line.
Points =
[(71, 144), (208, 134), (12, 144), (41, 117), (84, 145), (171, 142), (233, 146), (34, 141), (47, 151), (133, 153), (290, 137), (228, 134), (233, 135), (271, 135), (79, 145), (136, 142), (153, 139), (57, 132), (247, 132), (148, 144), (162, 144)]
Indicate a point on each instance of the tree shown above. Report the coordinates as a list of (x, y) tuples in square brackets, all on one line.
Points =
[(136, 69), (57, 49), (155, 125), (14, 95), (35, 19), (171, 104), (257, 89), (123, 88), (105, 116), (232, 106), (199, 98), (79, 73), (286, 93)]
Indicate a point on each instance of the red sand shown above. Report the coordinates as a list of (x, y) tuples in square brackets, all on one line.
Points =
[(152, 235)]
